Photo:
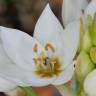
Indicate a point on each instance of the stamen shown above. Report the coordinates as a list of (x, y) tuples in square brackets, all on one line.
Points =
[(35, 49), (49, 46), (48, 64), (39, 58), (43, 66), (47, 67), (35, 60), (53, 64), (46, 61)]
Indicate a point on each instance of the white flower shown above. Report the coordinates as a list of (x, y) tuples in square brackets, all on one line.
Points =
[(91, 8), (46, 58), (90, 83), (72, 10)]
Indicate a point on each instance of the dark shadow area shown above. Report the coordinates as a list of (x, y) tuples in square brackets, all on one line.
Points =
[(2, 94)]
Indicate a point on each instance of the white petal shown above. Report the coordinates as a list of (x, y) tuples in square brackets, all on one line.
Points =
[(71, 41), (19, 47), (84, 3), (48, 30), (13, 73), (91, 9), (90, 83), (6, 85), (16, 74), (22, 77), (37, 81), (9, 70), (3, 56), (65, 76), (71, 10), (6, 68)]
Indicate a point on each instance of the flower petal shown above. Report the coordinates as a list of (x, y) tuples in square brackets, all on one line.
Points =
[(71, 10), (9, 70), (37, 81), (65, 76), (19, 46), (3, 57), (70, 38), (18, 75), (48, 30), (22, 77), (6, 67), (90, 83), (6, 85), (83, 3), (91, 9)]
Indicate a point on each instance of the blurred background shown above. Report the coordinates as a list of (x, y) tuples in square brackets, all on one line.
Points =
[(23, 14)]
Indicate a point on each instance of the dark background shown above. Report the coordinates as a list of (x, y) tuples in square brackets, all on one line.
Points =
[(23, 14)]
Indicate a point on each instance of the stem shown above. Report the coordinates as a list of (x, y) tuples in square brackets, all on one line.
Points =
[(28, 90), (80, 91)]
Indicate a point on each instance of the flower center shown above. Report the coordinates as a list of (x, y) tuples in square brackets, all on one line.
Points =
[(93, 54), (47, 67)]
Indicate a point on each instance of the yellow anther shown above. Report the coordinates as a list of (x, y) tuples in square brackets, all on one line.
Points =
[(51, 68), (49, 46), (53, 62), (35, 60), (35, 49)]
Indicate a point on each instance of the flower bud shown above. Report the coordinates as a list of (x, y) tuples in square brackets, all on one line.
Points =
[(93, 31), (86, 41), (90, 83), (83, 66)]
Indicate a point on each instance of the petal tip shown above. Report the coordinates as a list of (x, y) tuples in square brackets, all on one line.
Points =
[(47, 8)]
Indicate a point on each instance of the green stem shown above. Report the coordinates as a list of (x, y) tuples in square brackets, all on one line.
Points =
[(29, 91), (80, 91)]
